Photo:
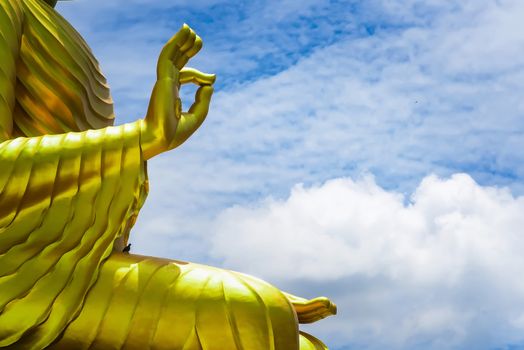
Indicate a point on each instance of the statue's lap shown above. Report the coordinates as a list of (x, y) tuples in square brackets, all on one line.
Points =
[(141, 302)]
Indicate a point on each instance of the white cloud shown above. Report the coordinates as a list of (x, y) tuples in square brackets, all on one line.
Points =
[(439, 269)]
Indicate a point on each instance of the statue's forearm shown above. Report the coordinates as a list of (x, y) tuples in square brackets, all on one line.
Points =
[(160, 124), (72, 143)]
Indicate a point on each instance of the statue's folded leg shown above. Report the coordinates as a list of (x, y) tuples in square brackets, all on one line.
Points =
[(149, 303)]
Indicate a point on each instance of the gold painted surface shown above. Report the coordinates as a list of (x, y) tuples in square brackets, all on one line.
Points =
[(309, 342), (143, 302), (71, 186)]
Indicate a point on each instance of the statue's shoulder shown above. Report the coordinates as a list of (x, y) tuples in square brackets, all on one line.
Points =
[(57, 63)]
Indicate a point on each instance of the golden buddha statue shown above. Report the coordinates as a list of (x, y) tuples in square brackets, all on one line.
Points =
[(71, 187)]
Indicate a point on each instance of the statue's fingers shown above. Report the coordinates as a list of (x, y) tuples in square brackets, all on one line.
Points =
[(182, 60), (191, 121), (165, 61), (197, 45), (189, 42), (173, 45), (191, 75), (191, 47)]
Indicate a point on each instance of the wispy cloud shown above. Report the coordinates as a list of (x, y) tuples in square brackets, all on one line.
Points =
[(399, 104)]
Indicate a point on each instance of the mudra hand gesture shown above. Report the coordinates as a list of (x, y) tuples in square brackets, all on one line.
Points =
[(165, 125)]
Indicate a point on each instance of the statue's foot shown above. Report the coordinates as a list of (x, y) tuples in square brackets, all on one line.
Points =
[(309, 311), (149, 303)]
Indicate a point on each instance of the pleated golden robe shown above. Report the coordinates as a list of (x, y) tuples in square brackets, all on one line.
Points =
[(66, 194), (71, 185)]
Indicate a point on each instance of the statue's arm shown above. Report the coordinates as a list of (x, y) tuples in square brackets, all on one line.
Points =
[(165, 125), (11, 22), (23, 159)]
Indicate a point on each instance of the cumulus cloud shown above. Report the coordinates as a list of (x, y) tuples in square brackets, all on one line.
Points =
[(437, 270)]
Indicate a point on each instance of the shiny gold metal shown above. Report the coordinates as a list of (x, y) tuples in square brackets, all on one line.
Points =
[(71, 187)]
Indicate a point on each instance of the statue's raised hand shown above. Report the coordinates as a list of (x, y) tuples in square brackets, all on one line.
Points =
[(165, 125)]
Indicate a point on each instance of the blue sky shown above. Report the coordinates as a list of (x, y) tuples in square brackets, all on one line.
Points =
[(376, 141)]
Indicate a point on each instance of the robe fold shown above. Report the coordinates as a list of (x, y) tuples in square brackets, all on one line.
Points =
[(64, 200), (70, 184)]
